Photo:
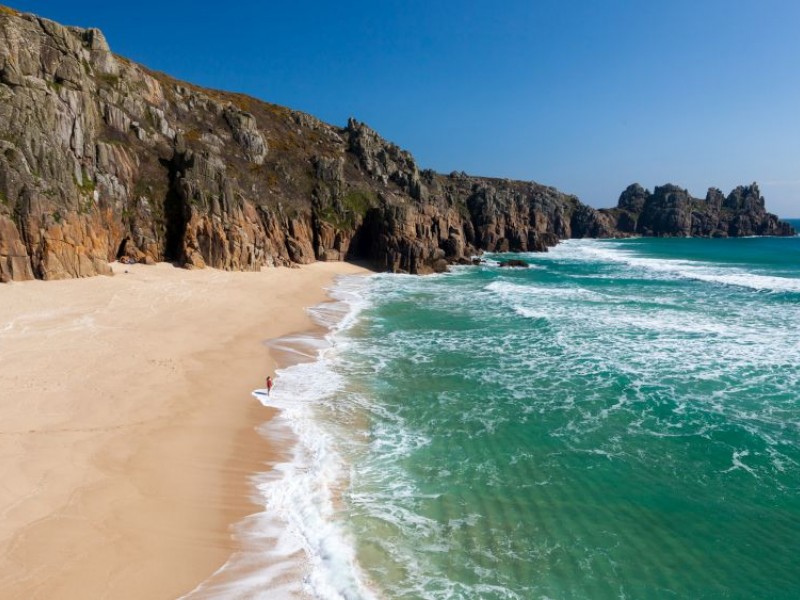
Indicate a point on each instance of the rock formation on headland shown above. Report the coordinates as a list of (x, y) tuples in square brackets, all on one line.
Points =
[(103, 159), (671, 211)]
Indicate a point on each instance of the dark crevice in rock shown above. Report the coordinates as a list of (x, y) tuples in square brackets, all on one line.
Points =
[(122, 246), (112, 160), (175, 215)]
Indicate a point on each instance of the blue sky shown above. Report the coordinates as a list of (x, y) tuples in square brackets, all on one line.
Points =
[(587, 96)]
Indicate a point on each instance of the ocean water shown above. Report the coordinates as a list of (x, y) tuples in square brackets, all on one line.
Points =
[(619, 420)]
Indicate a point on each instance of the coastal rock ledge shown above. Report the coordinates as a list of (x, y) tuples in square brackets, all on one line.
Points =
[(103, 159)]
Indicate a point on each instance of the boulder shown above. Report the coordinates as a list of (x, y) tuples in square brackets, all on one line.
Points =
[(513, 262)]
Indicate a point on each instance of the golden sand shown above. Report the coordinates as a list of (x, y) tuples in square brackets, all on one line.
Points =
[(127, 428)]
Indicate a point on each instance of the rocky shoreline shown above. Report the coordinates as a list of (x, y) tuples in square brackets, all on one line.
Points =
[(102, 159)]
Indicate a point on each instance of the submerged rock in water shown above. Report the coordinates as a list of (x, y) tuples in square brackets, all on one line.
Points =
[(513, 263)]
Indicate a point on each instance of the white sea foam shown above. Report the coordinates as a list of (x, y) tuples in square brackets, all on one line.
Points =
[(657, 329), (615, 364), (750, 280), (551, 304), (736, 459), (684, 269), (296, 545), (507, 289)]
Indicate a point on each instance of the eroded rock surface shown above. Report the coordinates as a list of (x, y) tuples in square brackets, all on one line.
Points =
[(103, 159), (669, 211)]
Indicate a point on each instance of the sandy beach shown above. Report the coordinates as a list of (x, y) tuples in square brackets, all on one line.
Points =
[(127, 428)]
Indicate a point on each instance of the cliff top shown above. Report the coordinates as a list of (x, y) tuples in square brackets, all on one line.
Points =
[(104, 159)]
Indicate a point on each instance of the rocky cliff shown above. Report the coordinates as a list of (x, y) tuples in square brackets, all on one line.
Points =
[(103, 159), (670, 211)]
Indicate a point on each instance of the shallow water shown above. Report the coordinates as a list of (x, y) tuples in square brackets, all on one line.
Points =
[(620, 420)]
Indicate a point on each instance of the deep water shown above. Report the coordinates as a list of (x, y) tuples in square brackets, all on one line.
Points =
[(619, 420)]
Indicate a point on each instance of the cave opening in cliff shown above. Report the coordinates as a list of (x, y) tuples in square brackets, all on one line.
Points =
[(122, 248), (175, 215), (175, 220)]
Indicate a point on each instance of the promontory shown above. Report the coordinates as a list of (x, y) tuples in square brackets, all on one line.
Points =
[(102, 159)]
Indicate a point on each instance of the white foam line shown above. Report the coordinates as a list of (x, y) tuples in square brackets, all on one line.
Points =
[(767, 283), (738, 464), (298, 495), (685, 269)]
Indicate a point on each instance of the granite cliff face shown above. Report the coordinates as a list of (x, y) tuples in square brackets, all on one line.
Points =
[(102, 159)]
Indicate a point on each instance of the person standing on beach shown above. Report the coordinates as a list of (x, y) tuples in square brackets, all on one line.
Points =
[(269, 385)]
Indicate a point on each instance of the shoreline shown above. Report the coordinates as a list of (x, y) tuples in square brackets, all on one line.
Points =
[(265, 557), (129, 438)]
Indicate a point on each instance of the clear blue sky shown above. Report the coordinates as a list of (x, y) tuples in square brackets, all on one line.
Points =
[(587, 96)]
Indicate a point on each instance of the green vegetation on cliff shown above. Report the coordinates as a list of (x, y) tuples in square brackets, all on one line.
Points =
[(103, 158)]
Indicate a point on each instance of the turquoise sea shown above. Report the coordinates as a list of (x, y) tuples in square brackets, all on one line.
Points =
[(619, 420)]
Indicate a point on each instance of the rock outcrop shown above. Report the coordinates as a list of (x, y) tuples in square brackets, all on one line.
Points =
[(669, 211), (103, 159)]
